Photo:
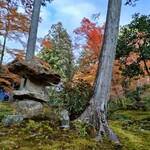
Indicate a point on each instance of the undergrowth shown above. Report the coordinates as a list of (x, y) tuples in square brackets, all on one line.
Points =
[(44, 132)]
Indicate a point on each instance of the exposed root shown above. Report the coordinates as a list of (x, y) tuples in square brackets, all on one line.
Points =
[(98, 119)]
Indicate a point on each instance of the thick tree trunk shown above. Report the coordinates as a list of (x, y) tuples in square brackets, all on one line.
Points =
[(96, 112), (33, 30)]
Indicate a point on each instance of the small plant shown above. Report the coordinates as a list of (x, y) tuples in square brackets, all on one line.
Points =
[(36, 128), (82, 128), (4, 111)]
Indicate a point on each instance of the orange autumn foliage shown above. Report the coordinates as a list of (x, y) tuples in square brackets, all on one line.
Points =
[(116, 83), (14, 25), (91, 49), (12, 20), (89, 61), (118, 80), (6, 79), (46, 44)]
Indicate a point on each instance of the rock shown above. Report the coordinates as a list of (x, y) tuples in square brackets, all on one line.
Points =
[(34, 95), (36, 70), (65, 119), (12, 120), (28, 108), (35, 76), (51, 115), (2, 134)]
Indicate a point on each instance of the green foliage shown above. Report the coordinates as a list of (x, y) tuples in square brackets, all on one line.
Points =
[(120, 117), (59, 55), (4, 110), (74, 97), (131, 2), (36, 127), (82, 128), (134, 95), (146, 98), (44, 2), (136, 99), (134, 128), (133, 46)]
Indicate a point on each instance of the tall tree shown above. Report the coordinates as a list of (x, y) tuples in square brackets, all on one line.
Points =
[(33, 28), (34, 23), (57, 51), (96, 112)]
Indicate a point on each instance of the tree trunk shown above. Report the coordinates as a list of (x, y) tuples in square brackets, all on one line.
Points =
[(96, 112), (33, 30), (5, 39), (3, 48), (146, 67)]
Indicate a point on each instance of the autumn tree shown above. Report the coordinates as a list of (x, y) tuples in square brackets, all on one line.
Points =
[(92, 33), (34, 27), (35, 6), (57, 51), (133, 47), (95, 113), (13, 25), (8, 79)]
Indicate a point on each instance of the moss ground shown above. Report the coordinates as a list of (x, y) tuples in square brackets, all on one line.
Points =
[(132, 127), (133, 130)]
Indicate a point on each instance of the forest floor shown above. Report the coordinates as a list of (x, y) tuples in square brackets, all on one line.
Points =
[(132, 128)]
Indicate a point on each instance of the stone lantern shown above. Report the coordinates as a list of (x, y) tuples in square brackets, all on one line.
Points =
[(35, 77)]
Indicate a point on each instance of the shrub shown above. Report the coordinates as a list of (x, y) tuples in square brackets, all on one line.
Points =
[(146, 99), (74, 97), (138, 99)]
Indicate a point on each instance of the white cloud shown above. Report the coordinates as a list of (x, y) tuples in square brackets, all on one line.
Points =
[(69, 12)]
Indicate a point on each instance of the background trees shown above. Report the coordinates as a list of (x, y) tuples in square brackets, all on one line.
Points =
[(57, 51), (13, 25), (92, 34), (59, 41), (133, 48)]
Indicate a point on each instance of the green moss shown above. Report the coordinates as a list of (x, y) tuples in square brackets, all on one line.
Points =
[(132, 139), (134, 132), (5, 109), (8, 144), (135, 115), (44, 133)]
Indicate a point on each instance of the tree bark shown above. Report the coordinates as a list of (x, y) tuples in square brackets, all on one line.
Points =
[(3, 48), (33, 30), (146, 67), (96, 112)]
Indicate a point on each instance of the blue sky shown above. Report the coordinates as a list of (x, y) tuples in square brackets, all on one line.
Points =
[(71, 13)]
